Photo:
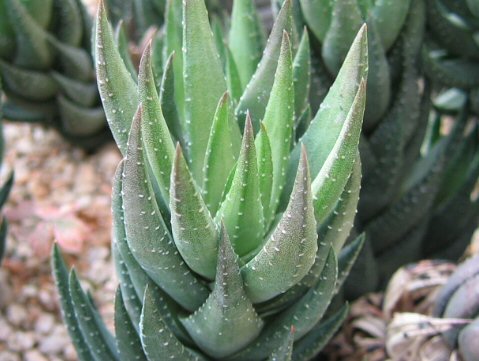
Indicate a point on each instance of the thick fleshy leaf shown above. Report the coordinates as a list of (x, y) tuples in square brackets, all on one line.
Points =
[(118, 91), (205, 82), (80, 121), (290, 251), (242, 210), (258, 90), (194, 231), (303, 315), (235, 87), (127, 339), (68, 311), (279, 122), (284, 352), (389, 17), (167, 100), (227, 321), (379, 80), (147, 234), (335, 230), (123, 48), (33, 85), (318, 337), (302, 75), (345, 23), (84, 94), (75, 62), (265, 167), (318, 16), (245, 38), (334, 174), (329, 120), (347, 258), (159, 343), (157, 140), (174, 44), (68, 24), (220, 155), (32, 48), (100, 341)]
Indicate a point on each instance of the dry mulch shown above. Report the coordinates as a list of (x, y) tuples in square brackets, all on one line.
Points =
[(61, 194)]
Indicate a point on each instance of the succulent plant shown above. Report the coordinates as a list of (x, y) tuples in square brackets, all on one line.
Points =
[(212, 264), (4, 191), (401, 202), (47, 68), (448, 62)]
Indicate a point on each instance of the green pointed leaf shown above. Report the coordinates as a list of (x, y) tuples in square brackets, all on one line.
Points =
[(338, 225), (245, 39), (167, 100), (290, 251), (265, 168), (333, 176), (310, 345), (157, 141), (279, 122), (203, 89), (302, 75), (227, 321), (174, 44), (241, 210), (131, 300), (148, 237), (127, 340), (219, 37), (117, 89), (84, 94), (32, 85), (317, 14), (347, 257), (159, 343), (345, 23), (32, 48), (303, 315), (194, 231), (68, 311), (333, 111), (285, 352), (100, 341), (123, 48), (235, 87), (389, 17), (220, 155), (258, 90), (80, 121)]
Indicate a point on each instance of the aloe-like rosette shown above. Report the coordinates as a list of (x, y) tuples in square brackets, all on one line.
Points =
[(47, 69), (212, 265), (401, 200), (4, 190)]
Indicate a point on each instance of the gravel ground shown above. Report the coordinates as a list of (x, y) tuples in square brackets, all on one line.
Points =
[(60, 195)]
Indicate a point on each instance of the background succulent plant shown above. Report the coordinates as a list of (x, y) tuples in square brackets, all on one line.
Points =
[(402, 183), (47, 69), (213, 264)]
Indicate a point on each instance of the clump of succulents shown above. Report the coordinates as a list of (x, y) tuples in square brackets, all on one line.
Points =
[(4, 191), (213, 263), (47, 69), (401, 200)]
